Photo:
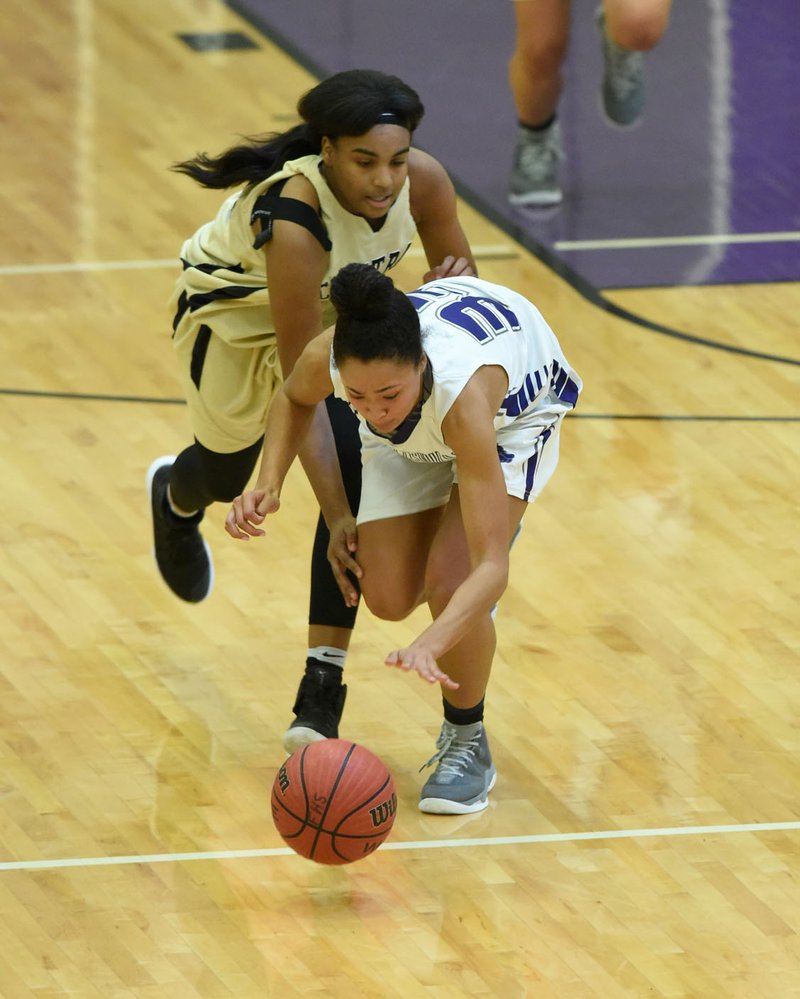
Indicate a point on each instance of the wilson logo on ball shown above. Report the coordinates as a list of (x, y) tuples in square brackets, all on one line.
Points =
[(384, 811)]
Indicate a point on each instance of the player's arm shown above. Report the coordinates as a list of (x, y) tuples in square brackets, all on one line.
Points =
[(296, 265), (434, 209), (469, 430), (290, 420)]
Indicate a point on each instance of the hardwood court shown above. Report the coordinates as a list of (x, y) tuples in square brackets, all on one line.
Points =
[(644, 835)]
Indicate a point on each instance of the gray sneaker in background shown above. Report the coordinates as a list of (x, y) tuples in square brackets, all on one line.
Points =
[(534, 177), (464, 775), (622, 95)]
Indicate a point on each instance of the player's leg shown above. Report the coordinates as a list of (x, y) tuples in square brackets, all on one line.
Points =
[(321, 695), (393, 491), (627, 29), (180, 489), (228, 391), (465, 773), (637, 24), (535, 79), (392, 556), (401, 507)]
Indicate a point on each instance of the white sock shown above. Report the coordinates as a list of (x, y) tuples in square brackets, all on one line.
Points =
[(328, 654)]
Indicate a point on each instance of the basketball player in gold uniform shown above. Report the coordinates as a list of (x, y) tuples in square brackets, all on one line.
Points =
[(343, 186)]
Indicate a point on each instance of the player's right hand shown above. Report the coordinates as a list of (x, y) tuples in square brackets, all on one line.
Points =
[(419, 659), (248, 511)]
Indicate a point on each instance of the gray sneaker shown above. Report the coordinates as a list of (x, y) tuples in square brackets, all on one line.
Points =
[(622, 93), (465, 773), (534, 177)]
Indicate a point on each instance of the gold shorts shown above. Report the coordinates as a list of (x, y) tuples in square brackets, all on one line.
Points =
[(228, 388)]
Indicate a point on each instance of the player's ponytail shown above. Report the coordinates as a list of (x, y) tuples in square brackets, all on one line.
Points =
[(254, 160), (347, 103)]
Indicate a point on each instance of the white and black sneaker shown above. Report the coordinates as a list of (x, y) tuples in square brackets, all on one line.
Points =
[(318, 710), (464, 775), (182, 556)]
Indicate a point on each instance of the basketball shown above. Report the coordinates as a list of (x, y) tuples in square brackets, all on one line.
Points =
[(333, 801)]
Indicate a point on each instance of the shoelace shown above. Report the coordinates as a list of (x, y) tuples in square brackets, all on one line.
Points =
[(626, 68), (455, 756), (537, 158)]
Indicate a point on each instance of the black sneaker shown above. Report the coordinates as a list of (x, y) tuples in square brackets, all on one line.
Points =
[(318, 710), (182, 556)]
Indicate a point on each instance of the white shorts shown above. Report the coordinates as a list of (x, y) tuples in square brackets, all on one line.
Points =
[(393, 486)]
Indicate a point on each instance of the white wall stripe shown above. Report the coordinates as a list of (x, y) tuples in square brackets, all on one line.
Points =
[(655, 242)]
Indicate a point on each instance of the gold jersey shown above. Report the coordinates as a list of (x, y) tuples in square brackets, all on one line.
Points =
[(224, 281)]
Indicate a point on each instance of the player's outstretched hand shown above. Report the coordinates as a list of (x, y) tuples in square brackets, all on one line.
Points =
[(342, 547), (419, 659), (248, 511), (450, 267)]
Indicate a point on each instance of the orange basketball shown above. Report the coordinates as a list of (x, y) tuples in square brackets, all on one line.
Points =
[(333, 801)]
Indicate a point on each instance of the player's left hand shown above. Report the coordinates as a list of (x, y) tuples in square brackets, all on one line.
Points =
[(450, 267), (342, 547), (418, 658)]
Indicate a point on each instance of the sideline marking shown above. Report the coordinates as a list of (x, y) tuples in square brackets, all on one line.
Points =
[(435, 844)]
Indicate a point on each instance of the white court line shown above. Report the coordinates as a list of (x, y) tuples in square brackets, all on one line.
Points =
[(434, 844), (496, 250), (657, 241), (85, 267)]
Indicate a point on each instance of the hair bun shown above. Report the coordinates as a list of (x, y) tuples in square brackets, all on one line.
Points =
[(360, 292)]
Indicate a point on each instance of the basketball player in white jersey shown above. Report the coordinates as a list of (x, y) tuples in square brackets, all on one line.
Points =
[(460, 389), (343, 186)]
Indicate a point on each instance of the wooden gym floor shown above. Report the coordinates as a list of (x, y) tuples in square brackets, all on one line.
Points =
[(644, 835)]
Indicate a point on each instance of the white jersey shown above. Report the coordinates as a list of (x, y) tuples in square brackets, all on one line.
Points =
[(468, 323), (224, 281)]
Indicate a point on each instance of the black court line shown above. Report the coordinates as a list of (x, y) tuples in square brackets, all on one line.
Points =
[(93, 396), (168, 401), (217, 41), (539, 250)]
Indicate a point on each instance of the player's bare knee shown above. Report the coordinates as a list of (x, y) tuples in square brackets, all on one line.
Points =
[(389, 604), (639, 33)]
